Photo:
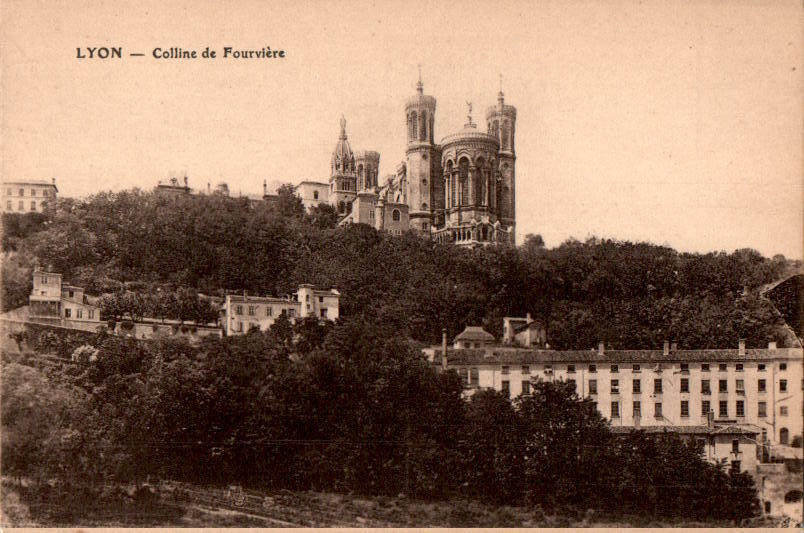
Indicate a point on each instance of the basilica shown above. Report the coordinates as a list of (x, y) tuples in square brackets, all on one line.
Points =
[(461, 190)]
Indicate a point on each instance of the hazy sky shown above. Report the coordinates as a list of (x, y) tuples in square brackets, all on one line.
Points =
[(675, 122)]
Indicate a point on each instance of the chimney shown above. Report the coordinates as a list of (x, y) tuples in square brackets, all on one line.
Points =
[(209, 188), (772, 345), (673, 346), (265, 187), (666, 348), (444, 348), (528, 318), (185, 181), (741, 347), (53, 180), (601, 348)]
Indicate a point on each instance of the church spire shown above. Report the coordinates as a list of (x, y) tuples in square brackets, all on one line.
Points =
[(419, 85), (500, 99)]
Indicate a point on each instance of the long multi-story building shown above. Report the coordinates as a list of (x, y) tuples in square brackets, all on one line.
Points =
[(757, 390), (27, 196)]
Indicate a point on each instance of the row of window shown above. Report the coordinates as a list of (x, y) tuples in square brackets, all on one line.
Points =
[(685, 367), (10, 192), (20, 206), (684, 386), (79, 313)]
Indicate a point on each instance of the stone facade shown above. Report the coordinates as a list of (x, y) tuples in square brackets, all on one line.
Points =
[(27, 196)]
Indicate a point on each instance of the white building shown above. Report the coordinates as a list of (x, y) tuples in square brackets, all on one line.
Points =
[(53, 301), (244, 312), (27, 196)]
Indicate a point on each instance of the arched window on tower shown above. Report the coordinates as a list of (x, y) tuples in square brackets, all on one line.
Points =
[(450, 186), (341, 207), (413, 126), (495, 130), (423, 131), (360, 177), (505, 142), (480, 182), (396, 215), (463, 179)]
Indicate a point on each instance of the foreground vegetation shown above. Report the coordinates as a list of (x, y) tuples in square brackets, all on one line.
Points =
[(345, 408)]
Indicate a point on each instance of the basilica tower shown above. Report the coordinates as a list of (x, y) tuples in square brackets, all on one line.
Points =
[(425, 194), (501, 122), (343, 177)]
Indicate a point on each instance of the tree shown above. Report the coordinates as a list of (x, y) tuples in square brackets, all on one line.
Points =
[(289, 204), (323, 216)]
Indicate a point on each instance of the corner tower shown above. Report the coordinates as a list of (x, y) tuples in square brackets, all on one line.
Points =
[(343, 178), (425, 195), (367, 163), (501, 121)]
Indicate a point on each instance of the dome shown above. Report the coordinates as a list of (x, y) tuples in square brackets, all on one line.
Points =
[(469, 133)]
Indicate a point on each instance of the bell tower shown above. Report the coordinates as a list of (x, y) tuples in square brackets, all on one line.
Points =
[(501, 121), (425, 194)]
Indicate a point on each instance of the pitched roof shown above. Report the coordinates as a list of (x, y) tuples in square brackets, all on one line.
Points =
[(502, 355), (474, 333)]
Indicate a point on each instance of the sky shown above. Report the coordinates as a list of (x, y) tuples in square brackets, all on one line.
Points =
[(678, 123)]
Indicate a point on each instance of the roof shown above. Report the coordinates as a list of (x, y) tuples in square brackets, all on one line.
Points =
[(474, 333), (526, 325), (38, 183), (310, 182), (510, 355), (469, 133), (688, 430), (259, 299)]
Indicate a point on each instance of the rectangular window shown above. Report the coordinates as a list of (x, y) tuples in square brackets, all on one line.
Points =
[(615, 369), (685, 367), (761, 367), (9, 207), (306, 297), (22, 192), (572, 384), (636, 368), (740, 384), (320, 299), (762, 409), (783, 410), (505, 370), (685, 385), (269, 311), (615, 386), (548, 369), (615, 409), (526, 387), (10, 192), (67, 312), (239, 326), (291, 313), (685, 408), (79, 313), (723, 385), (33, 192), (570, 369), (722, 367), (525, 369), (704, 367), (71, 294), (474, 377), (657, 386), (782, 385), (239, 309), (323, 312), (724, 409), (782, 366), (735, 446), (91, 314), (705, 387), (705, 407), (250, 310), (739, 367), (33, 206), (21, 206), (657, 410), (637, 386), (637, 410), (592, 369), (506, 388), (740, 408), (592, 386), (464, 374), (761, 385)]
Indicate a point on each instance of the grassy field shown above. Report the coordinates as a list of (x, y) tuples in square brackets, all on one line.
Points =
[(181, 505)]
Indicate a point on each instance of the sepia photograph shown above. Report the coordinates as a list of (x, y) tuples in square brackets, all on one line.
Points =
[(401, 264)]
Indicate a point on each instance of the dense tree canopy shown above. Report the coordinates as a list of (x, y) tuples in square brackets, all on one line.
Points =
[(630, 295)]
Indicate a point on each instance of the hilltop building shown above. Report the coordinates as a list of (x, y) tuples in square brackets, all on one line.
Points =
[(27, 196), (461, 190)]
